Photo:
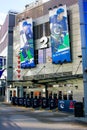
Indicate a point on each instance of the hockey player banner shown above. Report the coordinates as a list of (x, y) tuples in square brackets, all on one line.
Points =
[(26, 44), (83, 24), (2, 65), (60, 43)]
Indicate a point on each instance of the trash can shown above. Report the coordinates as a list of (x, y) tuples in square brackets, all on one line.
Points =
[(78, 109)]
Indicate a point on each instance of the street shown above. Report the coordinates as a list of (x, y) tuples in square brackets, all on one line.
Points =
[(21, 118)]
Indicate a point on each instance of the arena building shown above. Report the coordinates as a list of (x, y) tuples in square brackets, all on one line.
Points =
[(47, 58)]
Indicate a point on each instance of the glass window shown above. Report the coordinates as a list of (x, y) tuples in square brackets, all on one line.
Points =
[(40, 56), (36, 56), (38, 31), (35, 32), (47, 29)]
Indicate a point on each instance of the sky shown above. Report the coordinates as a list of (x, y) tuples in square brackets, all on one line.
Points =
[(15, 5)]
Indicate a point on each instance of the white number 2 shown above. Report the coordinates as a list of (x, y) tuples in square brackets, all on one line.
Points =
[(44, 42)]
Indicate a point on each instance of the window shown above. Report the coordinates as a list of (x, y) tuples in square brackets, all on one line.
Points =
[(36, 57), (40, 56), (47, 29), (38, 31)]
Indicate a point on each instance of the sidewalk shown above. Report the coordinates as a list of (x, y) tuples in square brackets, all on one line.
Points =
[(70, 117), (82, 119)]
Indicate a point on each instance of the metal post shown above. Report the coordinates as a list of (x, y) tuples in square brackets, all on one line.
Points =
[(83, 28)]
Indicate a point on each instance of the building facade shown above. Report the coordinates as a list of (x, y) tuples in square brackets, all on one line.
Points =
[(44, 71), (6, 52)]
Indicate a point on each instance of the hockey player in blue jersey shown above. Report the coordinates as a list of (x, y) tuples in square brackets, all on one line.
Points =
[(59, 29), (27, 38)]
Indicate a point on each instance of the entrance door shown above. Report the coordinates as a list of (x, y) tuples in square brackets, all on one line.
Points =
[(11, 93), (14, 93)]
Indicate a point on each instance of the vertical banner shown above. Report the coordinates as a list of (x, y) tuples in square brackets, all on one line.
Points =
[(83, 29), (2, 65), (85, 20), (60, 43), (26, 44)]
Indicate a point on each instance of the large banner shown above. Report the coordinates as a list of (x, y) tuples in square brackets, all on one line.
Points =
[(26, 44), (60, 43), (2, 65), (83, 23)]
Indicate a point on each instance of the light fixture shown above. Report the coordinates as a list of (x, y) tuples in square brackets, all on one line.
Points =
[(10, 85)]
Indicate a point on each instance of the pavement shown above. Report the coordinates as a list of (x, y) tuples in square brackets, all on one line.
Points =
[(70, 117), (82, 119)]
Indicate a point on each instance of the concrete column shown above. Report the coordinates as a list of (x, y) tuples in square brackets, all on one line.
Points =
[(21, 91)]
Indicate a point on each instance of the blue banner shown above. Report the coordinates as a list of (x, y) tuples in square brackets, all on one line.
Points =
[(85, 18), (1, 72), (60, 43), (2, 65), (27, 44)]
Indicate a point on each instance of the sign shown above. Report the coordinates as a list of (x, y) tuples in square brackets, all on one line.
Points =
[(61, 105), (60, 43), (66, 105), (44, 42), (26, 44), (2, 65)]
